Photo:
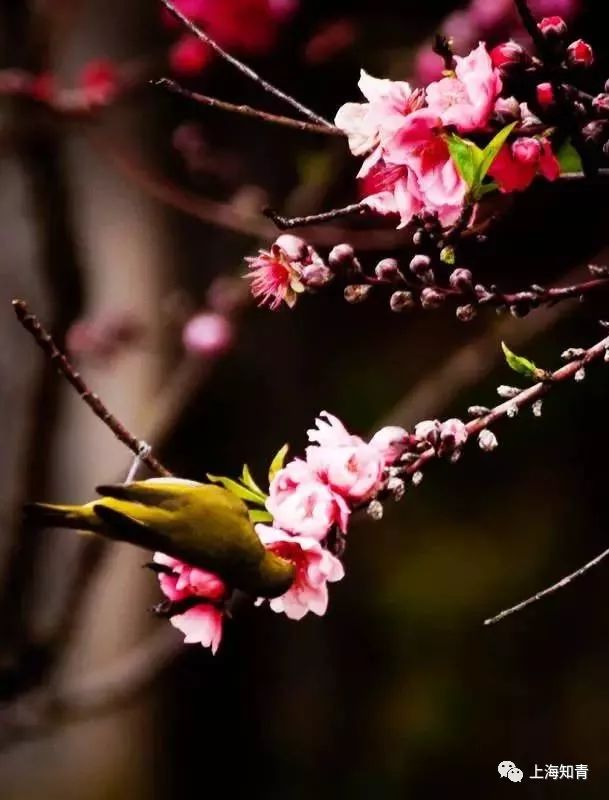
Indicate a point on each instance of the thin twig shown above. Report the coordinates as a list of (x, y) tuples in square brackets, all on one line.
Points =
[(45, 341), (525, 398), (531, 27), (268, 87), (247, 111), (285, 223), (550, 590)]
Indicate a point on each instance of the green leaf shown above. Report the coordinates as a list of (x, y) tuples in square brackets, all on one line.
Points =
[(236, 488), (521, 365), (490, 152), (278, 461), (258, 515), (486, 188), (247, 480), (568, 158), (467, 157)]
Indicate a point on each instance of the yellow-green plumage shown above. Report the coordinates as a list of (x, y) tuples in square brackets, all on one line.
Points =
[(204, 525)]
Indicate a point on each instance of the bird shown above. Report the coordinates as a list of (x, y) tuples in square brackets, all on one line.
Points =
[(201, 524)]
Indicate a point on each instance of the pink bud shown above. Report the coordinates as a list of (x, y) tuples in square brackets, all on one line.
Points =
[(545, 94), (507, 54), (294, 247), (207, 334), (453, 435), (527, 150), (507, 109), (428, 431), (580, 54), (316, 274), (390, 442), (601, 103), (553, 27)]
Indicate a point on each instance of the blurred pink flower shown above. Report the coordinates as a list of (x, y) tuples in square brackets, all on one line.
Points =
[(302, 504), (189, 55), (517, 164), (100, 81), (466, 100), (315, 567), (275, 277), (207, 334), (355, 472)]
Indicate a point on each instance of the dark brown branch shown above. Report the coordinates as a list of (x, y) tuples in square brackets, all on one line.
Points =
[(550, 590), (248, 71), (285, 223), (530, 24), (525, 398), (45, 341), (248, 111)]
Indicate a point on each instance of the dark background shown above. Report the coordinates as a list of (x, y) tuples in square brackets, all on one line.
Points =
[(399, 691)]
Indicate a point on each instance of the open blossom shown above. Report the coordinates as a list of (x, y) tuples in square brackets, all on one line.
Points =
[(518, 163), (367, 124), (355, 472), (390, 442), (329, 431), (201, 623), (467, 99), (275, 277), (315, 567), (300, 502)]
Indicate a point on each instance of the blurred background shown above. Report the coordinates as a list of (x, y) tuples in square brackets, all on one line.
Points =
[(125, 215)]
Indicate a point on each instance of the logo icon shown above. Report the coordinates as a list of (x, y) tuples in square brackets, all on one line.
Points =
[(509, 770)]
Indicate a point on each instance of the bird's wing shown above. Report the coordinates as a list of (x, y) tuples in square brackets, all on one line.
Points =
[(123, 527), (148, 493)]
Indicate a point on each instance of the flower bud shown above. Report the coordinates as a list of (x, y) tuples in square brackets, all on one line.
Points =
[(356, 292), (401, 301), (595, 132), (419, 265), (601, 104), (580, 54), (461, 280), (545, 94), (527, 150), (507, 55), (453, 435), (316, 275), (428, 431), (388, 270), (487, 441), (507, 109), (553, 27), (466, 313), (295, 248), (431, 298), (375, 510), (342, 256), (397, 488)]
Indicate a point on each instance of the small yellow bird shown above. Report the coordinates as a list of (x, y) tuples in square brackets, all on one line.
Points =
[(201, 524)]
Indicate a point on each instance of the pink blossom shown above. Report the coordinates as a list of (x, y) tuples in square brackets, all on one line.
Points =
[(517, 164), (202, 623), (207, 334), (431, 176), (390, 442), (580, 54), (100, 81), (466, 100), (329, 431), (355, 472), (315, 567), (368, 124), (302, 504), (275, 277)]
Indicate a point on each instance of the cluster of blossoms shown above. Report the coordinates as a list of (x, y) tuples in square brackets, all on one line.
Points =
[(98, 84), (244, 26), (308, 500), (403, 132)]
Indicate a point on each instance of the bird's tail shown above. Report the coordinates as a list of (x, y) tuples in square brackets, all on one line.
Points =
[(44, 515)]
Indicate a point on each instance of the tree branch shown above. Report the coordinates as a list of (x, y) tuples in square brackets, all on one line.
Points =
[(286, 223), (45, 341), (247, 111), (268, 87)]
